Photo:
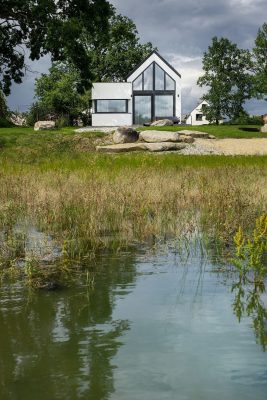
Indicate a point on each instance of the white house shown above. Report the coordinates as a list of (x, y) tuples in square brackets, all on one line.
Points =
[(152, 92), (197, 116)]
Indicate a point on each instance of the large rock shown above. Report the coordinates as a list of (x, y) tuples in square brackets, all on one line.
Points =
[(44, 125), (122, 148), (264, 128), (159, 136), (164, 146), (162, 122), (194, 134), (186, 139), (125, 134)]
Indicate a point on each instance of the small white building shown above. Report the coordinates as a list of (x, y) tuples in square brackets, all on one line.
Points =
[(197, 116), (152, 92)]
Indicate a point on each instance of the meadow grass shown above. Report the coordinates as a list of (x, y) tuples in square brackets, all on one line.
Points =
[(86, 202)]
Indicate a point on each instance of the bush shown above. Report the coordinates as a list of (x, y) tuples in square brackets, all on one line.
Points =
[(5, 123), (62, 122)]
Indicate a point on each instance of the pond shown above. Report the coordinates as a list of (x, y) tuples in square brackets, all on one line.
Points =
[(153, 326)]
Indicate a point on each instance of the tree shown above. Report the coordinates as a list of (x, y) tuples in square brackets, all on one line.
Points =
[(3, 106), (260, 63), (57, 92), (227, 73), (114, 59), (49, 26)]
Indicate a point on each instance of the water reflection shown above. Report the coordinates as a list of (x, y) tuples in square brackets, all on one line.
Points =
[(249, 301), (61, 344)]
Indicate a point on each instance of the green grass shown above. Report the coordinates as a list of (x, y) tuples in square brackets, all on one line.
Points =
[(220, 131)]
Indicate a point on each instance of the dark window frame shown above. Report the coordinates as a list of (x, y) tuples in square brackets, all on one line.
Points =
[(199, 117), (154, 79), (113, 112)]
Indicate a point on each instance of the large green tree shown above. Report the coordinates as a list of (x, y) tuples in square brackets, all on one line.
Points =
[(49, 26), (114, 59), (260, 63), (58, 92), (227, 75)]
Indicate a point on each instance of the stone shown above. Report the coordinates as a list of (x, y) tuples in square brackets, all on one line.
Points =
[(264, 118), (212, 137), (159, 136), (121, 148), (186, 139), (125, 134), (194, 134), (164, 146), (162, 122), (264, 129), (44, 125)]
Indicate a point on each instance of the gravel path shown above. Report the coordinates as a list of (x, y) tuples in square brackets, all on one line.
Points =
[(231, 146)]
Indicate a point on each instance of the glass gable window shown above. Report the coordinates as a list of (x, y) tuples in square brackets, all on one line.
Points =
[(152, 79), (138, 83), (148, 78), (111, 106), (159, 78), (170, 84), (163, 106)]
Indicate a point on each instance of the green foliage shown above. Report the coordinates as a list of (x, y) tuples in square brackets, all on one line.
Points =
[(260, 63), (227, 74), (245, 118), (114, 59), (250, 262), (58, 95), (50, 26)]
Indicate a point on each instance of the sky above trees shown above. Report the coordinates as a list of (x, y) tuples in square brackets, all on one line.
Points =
[(182, 31)]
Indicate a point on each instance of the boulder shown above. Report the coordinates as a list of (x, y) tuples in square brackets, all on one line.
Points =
[(212, 137), (186, 139), (194, 134), (264, 118), (264, 128), (121, 148), (125, 134), (44, 125), (162, 122), (159, 136), (164, 146)]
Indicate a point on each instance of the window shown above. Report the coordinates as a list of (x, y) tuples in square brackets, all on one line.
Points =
[(138, 83), (199, 117), (148, 78), (170, 84), (204, 108), (163, 106), (159, 78), (111, 106), (154, 78)]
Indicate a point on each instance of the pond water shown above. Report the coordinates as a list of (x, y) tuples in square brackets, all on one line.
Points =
[(154, 327)]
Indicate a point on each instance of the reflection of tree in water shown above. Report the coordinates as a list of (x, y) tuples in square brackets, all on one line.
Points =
[(248, 301), (61, 344)]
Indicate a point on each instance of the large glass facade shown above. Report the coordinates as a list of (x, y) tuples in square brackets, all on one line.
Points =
[(111, 106), (170, 83), (163, 106), (142, 106), (138, 83)]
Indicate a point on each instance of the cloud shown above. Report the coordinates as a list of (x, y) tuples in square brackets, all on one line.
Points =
[(182, 31)]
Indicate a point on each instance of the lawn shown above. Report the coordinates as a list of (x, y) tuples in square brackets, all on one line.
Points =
[(220, 131)]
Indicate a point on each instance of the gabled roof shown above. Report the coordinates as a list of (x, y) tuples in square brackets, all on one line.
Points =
[(163, 59)]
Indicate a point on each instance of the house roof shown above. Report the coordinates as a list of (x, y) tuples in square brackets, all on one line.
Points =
[(163, 59)]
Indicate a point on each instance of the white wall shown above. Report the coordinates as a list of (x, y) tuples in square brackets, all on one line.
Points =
[(110, 91), (173, 75), (107, 91), (112, 119)]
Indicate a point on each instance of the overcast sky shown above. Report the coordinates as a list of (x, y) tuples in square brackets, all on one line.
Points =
[(181, 30)]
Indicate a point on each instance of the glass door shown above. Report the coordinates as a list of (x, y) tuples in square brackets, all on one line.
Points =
[(142, 109)]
